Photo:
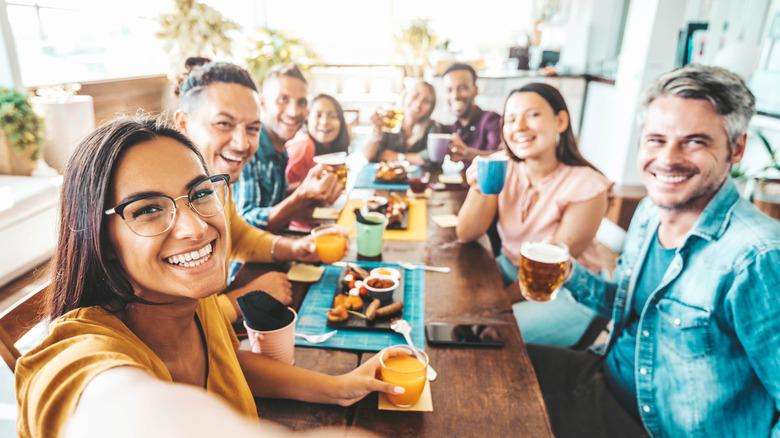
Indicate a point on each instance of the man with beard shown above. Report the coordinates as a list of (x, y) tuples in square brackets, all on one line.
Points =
[(261, 192), (695, 348), (475, 132)]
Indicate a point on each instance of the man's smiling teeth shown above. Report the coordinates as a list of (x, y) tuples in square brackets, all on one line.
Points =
[(234, 159), (191, 259), (671, 179)]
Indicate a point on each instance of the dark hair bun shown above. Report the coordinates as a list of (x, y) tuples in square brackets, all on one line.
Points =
[(195, 61), (190, 64)]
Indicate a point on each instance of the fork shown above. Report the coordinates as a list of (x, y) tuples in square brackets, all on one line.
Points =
[(442, 269), (316, 339)]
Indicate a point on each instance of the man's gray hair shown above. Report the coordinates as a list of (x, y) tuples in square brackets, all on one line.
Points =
[(726, 91)]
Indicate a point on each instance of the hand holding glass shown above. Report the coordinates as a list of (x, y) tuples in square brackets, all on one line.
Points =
[(330, 243), (399, 366), (543, 268)]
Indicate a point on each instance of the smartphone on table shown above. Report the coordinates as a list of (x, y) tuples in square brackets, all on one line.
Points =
[(463, 335)]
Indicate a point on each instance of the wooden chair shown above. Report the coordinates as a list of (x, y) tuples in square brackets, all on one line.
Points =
[(22, 315)]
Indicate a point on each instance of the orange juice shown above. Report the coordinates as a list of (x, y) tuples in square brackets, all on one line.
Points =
[(406, 371), (330, 247)]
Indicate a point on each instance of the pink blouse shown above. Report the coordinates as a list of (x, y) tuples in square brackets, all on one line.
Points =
[(527, 213), (300, 150)]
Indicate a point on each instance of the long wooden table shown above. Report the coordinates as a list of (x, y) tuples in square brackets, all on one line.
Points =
[(479, 392)]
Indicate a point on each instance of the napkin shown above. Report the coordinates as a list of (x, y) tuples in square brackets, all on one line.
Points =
[(305, 273), (263, 313), (451, 178), (325, 213), (446, 220), (424, 404)]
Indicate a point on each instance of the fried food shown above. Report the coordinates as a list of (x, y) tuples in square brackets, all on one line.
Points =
[(390, 172), (390, 309), (371, 309), (338, 314)]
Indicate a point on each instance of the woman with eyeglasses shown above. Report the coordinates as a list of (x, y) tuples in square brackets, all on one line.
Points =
[(219, 111), (140, 258)]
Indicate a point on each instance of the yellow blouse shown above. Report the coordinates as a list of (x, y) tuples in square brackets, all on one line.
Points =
[(85, 342), (245, 244)]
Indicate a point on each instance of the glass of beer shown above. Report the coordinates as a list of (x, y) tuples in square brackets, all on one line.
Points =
[(391, 119), (542, 269), (337, 162)]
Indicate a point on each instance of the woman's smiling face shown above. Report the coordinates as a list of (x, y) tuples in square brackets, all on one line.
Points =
[(324, 124), (531, 127), (187, 260)]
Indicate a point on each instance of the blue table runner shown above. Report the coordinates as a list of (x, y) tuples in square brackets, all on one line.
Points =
[(365, 180)]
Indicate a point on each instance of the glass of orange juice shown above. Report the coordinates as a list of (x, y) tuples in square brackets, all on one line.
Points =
[(330, 242), (399, 366)]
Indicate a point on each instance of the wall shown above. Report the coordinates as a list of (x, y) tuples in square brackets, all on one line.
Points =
[(128, 96)]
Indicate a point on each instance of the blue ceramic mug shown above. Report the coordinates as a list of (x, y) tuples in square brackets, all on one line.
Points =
[(490, 174)]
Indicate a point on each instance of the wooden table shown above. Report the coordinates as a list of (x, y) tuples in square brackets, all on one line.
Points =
[(479, 392)]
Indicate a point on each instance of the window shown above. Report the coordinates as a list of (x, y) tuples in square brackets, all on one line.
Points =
[(86, 40)]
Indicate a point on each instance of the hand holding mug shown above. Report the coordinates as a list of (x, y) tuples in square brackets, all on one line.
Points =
[(459, 151)]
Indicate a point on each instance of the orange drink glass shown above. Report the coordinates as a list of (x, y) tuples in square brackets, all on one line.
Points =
[(330, 242), (404, 369)]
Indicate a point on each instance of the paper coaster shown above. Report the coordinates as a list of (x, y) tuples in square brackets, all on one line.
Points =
[(446, 220), (325, 213), (451, 178), (424, 404), (305, 273)]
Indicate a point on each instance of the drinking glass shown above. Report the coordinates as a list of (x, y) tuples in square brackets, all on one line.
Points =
[(406, 370), (542, 270), (330, 243)]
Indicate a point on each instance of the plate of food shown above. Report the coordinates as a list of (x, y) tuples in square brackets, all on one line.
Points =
[(390, 172), (394, 206), (366, 300)]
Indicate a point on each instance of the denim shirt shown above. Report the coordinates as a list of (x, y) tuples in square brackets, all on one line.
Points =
[(708, 341)]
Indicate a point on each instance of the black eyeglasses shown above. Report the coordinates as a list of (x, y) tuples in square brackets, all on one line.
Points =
[(153, 215)]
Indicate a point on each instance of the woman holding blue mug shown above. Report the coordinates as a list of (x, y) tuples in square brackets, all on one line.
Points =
[(550, 193)]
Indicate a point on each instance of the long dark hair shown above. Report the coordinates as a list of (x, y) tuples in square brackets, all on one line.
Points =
[(86, 271), (201, 72), (566, 151), (431, 89), (341, 142)]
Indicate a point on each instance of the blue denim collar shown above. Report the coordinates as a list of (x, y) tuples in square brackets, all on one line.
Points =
[(716, 216)]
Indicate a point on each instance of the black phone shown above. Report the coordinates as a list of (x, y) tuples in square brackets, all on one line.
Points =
[(463, 335)]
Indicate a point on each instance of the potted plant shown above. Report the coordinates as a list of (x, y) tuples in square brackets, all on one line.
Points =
[(415, 43), (764, 187), (272, 47), (21, 134), (195, 29)]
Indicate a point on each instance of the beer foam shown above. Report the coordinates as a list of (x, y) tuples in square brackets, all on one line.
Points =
[(333, 159), (544, 252)]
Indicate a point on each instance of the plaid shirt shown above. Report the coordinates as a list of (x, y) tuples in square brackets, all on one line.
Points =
[(262, 183)]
